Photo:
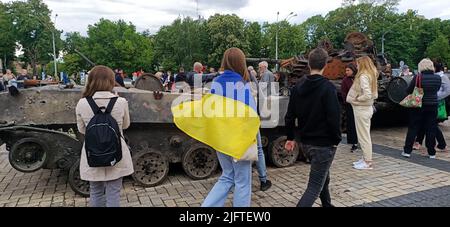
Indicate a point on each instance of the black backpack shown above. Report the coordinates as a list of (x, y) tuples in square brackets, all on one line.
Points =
[(103, 139)]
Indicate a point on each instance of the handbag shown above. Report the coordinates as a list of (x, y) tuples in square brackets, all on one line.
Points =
[(442, 110), (414, 100)]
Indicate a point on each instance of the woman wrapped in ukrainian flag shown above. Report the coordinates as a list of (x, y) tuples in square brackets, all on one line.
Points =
[(228, 123)]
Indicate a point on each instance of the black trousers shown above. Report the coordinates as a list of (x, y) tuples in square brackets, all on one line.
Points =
[(441, 144), (319, 177), (426, 118), (352, 136)]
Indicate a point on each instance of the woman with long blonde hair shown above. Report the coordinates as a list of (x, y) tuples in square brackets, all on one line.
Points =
[(361, 96)]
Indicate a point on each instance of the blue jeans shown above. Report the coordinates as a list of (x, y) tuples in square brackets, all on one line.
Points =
[(261, 163), (105, 193), (234, 174)]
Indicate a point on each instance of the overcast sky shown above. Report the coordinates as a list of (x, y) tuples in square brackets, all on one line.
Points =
[(76, 15)]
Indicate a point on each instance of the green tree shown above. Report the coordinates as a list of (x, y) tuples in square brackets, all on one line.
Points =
[(426, 32), (75, 41), (115, 44), (348, 2), (439, 49), (253, 31), (291, 39), (364, 18), (391, 4), (33, 29), (181, 44), (225, 31), (50, 68), (314, 30), (7, 39), (74, 63), (373, 19)]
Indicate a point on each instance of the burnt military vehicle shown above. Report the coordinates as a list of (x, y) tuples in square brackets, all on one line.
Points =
[(391, 89), (39, 129), (39, 125)]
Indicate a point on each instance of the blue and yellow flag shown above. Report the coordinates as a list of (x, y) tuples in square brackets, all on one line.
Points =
[(226, 119)]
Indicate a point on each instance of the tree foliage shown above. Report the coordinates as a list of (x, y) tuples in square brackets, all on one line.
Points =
[(32, 29), (7, 39), (181, 44), (439, 49), (253, 32), (114, 44), (291, 39), (390, 4), (225, 31), (407, 37)]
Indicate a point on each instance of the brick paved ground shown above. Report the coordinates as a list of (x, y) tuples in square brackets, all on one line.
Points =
[(395, 181)]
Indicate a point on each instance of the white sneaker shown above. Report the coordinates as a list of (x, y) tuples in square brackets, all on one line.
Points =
[(363, 166), (406, 155), (358, 162), (432, 156)]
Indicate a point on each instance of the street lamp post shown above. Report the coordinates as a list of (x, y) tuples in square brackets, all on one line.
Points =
[(53, 41), (276, 42), (54, 50), (291, 15), (382, 41)]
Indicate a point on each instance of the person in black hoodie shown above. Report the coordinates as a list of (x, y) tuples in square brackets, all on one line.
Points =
[(314, 103)]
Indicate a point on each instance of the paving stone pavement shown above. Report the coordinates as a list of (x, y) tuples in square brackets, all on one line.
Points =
[(436, 197), (394, 182)]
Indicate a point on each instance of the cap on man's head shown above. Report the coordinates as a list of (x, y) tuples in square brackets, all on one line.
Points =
[(405, 67)]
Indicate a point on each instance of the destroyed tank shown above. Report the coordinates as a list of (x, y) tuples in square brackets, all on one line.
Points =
[(391, 89), (40, 132)]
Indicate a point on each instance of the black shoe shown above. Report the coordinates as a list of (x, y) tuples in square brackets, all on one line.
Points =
[(354, 148), (266, 185)]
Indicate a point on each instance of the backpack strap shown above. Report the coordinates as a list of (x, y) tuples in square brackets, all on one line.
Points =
[(111, 105), (93, 105)]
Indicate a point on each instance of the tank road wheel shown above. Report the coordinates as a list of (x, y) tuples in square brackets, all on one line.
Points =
[(279, 156), (149, 82), (28, 155), (200, 162), (264, 141), (79, 186), (396, 89), (150, 168)]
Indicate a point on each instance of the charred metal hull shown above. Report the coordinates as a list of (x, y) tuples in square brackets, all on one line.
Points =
[(52, 105), (39, 129)]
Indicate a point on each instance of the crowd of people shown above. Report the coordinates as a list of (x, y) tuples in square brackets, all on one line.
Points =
[(312, 121), (105, 181)]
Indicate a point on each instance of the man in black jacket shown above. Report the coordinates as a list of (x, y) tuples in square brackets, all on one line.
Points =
[(201, 77), (314, 103)]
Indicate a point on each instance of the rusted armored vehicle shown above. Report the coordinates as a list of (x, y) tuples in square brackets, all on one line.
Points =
[(39, 129), (391, 89), (39, 125)]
